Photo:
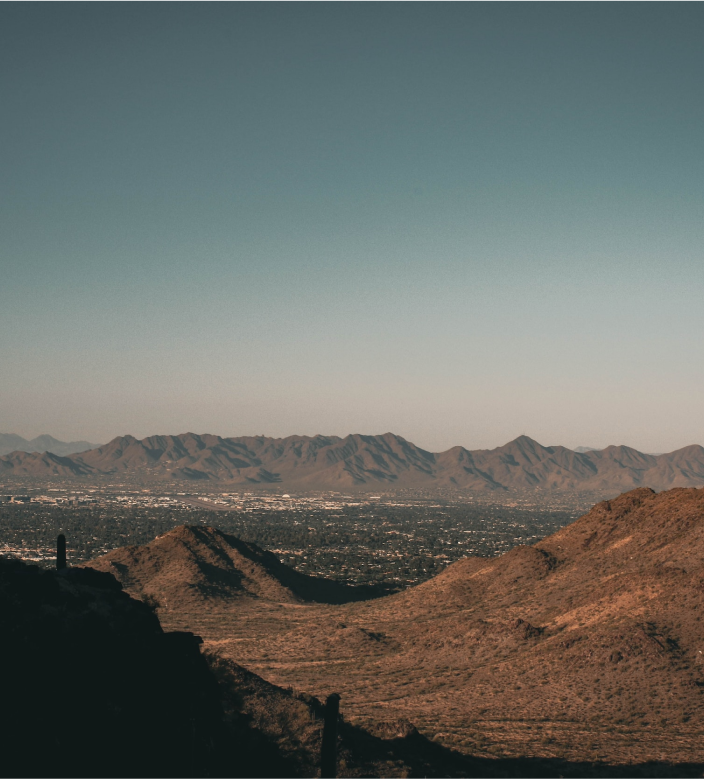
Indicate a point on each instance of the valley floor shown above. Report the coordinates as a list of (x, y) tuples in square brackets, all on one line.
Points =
[(383, 671), (586, 647)]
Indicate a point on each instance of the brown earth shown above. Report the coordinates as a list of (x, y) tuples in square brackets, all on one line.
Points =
[(194, 566), (585, 647), (368, 462), (94, 687)]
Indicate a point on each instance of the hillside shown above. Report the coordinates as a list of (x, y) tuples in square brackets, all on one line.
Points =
[(46, 465), (92, 688), (360, 462), (586, 646), (197, 565), (99, 689)]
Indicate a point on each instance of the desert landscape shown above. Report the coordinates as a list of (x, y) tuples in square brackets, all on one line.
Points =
[(586, 647), (351, 389)]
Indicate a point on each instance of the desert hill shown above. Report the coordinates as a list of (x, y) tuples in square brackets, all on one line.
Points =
[(364, 462), (99, 689), (585, 646), (195, 565), (596, 627)]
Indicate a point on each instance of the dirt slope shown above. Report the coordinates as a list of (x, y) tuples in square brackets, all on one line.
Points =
[(200, 565)]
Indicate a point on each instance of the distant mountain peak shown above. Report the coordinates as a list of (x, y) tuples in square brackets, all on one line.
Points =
[(525, 439), (11, 442)]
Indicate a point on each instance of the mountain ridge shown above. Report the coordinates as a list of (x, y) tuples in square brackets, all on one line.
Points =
[(368, 462)]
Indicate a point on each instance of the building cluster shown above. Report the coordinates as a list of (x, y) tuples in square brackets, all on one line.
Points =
[(49, 500)]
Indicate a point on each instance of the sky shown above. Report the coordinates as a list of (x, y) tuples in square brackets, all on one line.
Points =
[(457, 222)]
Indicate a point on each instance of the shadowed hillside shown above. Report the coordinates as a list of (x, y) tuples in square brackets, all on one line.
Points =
[(94, 687)]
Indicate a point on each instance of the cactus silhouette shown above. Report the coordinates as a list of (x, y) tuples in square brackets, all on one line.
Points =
[(328, 751), (61, 552)]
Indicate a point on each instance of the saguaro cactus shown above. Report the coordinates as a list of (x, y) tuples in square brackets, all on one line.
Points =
[(328, 751), (61, 552)]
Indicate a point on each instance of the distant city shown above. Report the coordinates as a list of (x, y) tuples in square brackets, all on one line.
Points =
[(385, 539)]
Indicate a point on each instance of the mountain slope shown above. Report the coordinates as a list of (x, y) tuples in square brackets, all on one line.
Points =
[(359, 462), (92, 687), (97, 688), (598, 623), (197, 564), (586, 646)]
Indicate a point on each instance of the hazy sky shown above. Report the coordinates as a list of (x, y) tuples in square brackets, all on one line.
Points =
[(458, 222)]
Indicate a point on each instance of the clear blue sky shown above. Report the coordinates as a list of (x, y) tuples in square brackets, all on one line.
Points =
[(459, 222)]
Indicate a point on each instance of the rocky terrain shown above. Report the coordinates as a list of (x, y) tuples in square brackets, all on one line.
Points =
[(585, 648), (93, 686), (360, 462)]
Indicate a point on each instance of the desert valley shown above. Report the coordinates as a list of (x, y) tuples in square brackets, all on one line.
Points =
[(585, 647), (351, 389), (574, 652)]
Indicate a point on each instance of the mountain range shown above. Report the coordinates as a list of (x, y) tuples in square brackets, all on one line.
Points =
[(367, 462), (9, 442), (585, 646)]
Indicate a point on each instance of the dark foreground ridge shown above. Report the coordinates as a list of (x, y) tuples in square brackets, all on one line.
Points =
[(93, 686)]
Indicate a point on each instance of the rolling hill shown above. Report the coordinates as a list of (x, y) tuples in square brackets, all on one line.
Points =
[(361, 462)]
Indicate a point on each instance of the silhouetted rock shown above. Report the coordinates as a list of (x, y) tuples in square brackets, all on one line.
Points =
[(91, 676)]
